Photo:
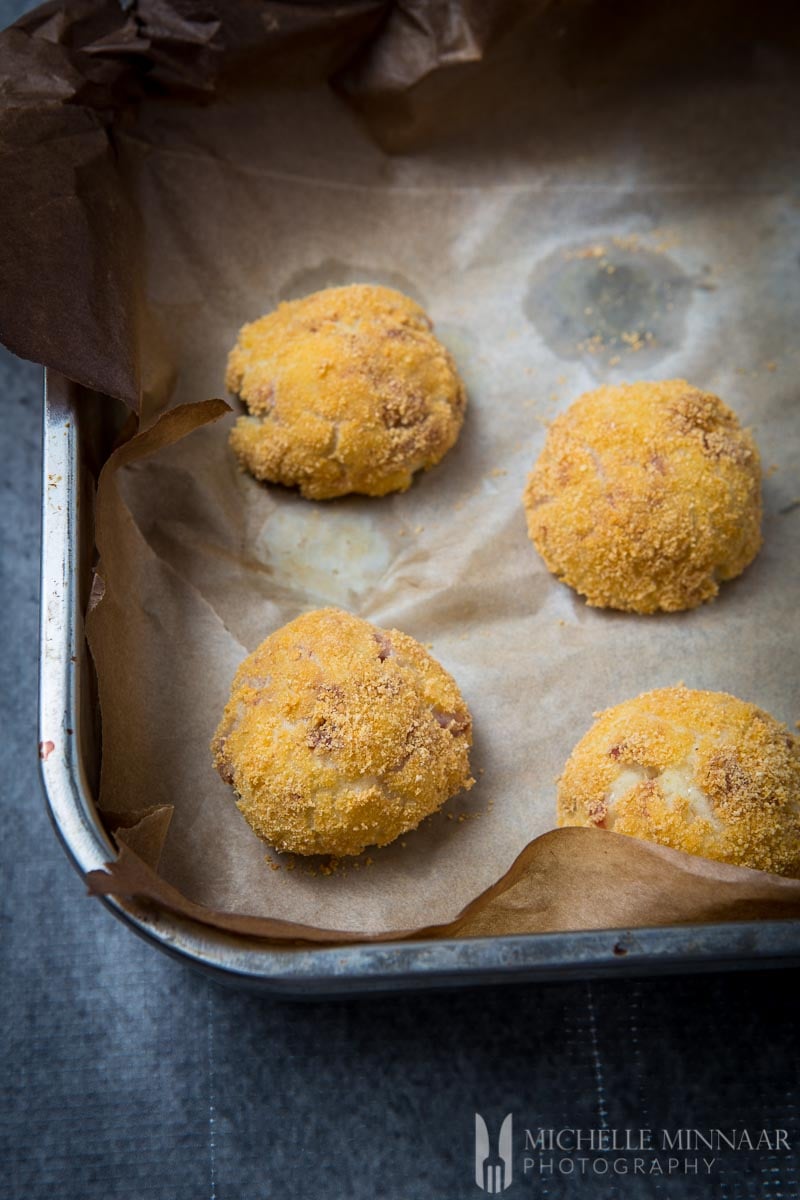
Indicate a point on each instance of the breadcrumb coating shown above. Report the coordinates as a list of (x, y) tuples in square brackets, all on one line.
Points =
[(645, 496), (339, 735), (347, 390), (698, 771)]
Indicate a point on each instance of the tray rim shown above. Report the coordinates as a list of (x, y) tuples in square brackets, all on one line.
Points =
[(325, 971)]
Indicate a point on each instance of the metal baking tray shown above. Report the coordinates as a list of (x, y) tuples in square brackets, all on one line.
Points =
[(79, 428)]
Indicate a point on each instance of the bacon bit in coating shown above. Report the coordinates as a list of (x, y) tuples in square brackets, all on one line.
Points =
[(698, 771), (347, 390), (457, 723), (346, 747), (385, 647), (597, 813), (645, 496)]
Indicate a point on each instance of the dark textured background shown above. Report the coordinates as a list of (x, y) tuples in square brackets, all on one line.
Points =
[(129, 1077)]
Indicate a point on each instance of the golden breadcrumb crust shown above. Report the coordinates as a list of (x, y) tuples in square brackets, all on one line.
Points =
[(347, 390), (699, 771), (339, 735), (645, 496)]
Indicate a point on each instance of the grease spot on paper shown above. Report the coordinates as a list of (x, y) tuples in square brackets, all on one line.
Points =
[(333, 556), (605, 303)]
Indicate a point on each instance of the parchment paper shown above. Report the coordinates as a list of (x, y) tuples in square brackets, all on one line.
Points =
[(562, 227)]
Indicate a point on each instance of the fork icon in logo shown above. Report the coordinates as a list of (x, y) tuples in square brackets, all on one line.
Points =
[(493, 1171)]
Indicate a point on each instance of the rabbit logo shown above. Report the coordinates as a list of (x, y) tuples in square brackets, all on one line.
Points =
[(493, 1172)]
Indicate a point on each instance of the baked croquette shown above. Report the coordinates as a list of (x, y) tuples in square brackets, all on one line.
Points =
[(646, 496), (698, 771), (339, 735), (347, 391)]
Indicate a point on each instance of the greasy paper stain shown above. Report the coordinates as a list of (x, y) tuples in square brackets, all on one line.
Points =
[(606, 303), (332, 556)]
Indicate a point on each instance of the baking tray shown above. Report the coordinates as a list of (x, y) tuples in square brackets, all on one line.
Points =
[(79, 428)]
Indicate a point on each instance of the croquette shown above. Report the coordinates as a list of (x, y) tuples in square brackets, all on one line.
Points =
[(698, 771), (347, 390), (339, 735), (646, 496)]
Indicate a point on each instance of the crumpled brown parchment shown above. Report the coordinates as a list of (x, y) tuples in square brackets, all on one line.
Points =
[(553, 187)]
